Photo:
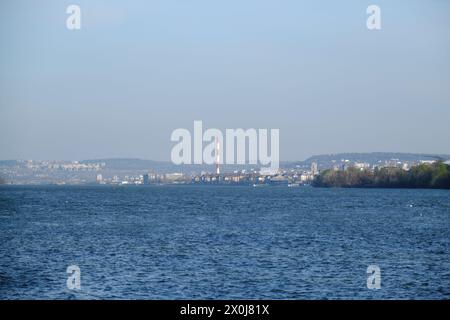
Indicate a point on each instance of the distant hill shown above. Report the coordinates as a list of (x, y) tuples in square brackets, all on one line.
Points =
[(142, 165), (323, 160), (129, 163), (8, 163), (327, 160), (135, 166), (376, 156)]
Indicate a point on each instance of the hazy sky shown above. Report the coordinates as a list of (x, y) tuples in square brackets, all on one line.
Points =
[(137, 70)]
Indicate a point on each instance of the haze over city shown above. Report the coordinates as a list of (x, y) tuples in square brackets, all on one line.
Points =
[(136, 71)]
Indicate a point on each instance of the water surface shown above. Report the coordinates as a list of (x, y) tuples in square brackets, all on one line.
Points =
[(197, 242)]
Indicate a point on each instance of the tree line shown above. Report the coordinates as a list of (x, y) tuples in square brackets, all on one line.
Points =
[(435, 175)]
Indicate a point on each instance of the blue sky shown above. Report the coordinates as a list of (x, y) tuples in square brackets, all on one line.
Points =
[(137, 70)]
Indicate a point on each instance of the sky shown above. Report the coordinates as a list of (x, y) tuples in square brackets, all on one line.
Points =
[(137, 70)]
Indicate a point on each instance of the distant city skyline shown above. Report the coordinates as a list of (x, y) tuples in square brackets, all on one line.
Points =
[(136, 71), (142, 172)]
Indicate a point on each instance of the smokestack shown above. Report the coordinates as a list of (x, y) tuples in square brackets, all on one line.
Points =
[(217, 156)]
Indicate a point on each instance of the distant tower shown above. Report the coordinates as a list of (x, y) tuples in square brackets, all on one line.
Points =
[(314, 168), (217, 153)]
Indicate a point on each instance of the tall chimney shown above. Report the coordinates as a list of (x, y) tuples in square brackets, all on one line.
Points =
[(217, 152)]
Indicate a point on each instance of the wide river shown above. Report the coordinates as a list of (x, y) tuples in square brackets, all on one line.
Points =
[(198, 242)]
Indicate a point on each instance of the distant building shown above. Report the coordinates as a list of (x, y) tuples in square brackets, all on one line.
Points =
[(361, 165), (314, 169), (279, 180), (146, 179), (174, 177), (267, 171), (306, 177), (99, 178)]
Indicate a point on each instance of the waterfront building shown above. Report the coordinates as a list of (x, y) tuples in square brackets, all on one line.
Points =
[(314, 169)]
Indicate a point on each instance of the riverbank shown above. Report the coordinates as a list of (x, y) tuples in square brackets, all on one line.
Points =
[(434, 176)]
